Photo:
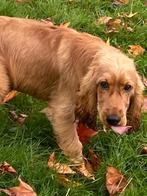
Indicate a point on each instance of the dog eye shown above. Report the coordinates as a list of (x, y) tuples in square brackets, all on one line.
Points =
[(104, 85), (128, 87)]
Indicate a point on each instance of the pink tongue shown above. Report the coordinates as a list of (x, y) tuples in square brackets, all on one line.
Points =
[(120, 130)]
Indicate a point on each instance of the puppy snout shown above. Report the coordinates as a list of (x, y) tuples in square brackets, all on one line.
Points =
[(113, 120)]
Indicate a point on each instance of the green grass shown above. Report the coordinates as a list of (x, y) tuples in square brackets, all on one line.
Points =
[(27, 147)]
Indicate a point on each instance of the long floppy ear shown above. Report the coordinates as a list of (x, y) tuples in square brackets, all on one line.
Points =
[(86, 108), (134, 112)]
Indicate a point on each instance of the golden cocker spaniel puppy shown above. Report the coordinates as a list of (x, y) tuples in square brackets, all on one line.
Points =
[(77, 73)]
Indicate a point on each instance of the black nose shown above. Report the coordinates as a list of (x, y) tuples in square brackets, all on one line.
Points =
[(113, 119)]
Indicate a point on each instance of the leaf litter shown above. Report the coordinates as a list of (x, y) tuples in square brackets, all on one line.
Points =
[(22, 190), (115, 181), (85, 133), (6, 167), (10, 96), (19, 119), (136, 50)]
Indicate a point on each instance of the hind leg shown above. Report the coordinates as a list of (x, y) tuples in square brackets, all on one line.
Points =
[(4, 82)]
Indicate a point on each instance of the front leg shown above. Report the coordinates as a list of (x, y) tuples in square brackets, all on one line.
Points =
[(61, 113)]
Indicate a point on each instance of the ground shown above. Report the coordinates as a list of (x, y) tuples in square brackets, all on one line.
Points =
[(27, 147)]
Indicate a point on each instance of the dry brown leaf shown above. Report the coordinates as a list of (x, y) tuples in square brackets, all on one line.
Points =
[(59, 167), (86, 169), (144, 107), (6, 167), (22, 190), (65, 24), (136, 50), (19, 119), (115, 181), (94, 160), (114, 25), (63, 180), (120, 2), (10, 96), (103, 20)]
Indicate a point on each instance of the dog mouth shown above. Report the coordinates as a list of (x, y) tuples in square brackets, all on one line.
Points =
[(120, 129)]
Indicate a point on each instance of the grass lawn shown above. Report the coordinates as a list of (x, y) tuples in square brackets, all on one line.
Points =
[(27, 147)]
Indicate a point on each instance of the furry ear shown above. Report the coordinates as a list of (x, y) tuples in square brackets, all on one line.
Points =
[(86, 108), (134, 112)]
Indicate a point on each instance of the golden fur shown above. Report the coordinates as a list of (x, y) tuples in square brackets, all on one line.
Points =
[(66, 68)]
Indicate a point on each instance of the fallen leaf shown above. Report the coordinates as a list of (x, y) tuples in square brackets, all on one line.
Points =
[(94, 160), (103, 20), (114, 25), (136, 50), (144, 107), (19, 119), (120, 2), (144, 150), (120, 129), (86, 170), (115, 181), (10, 96), (13, 115), (65, 24), (59, 167), (22, 190), (6, 167), (85, 133)]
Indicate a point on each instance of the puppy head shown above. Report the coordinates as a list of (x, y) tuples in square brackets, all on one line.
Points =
[(119, 90), (113, 86)]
